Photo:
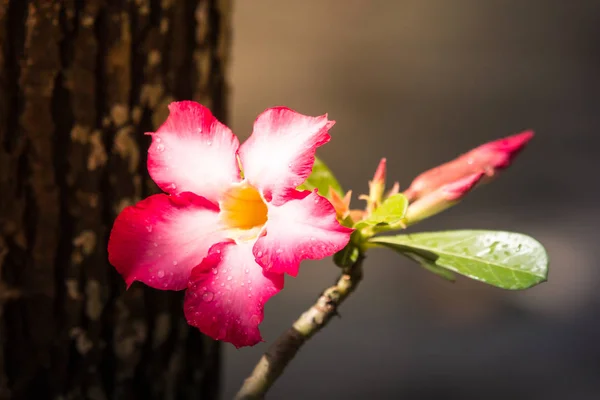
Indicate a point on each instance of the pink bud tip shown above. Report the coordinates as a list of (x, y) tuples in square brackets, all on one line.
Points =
[(379, 176), (456, 190), (509, 147)]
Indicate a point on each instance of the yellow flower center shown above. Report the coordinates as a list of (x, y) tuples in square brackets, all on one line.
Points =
[(242, 207)]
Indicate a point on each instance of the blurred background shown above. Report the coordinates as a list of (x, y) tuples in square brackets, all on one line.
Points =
[(418, 82)]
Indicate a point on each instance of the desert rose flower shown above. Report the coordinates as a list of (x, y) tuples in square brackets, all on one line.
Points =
[(231, 222)]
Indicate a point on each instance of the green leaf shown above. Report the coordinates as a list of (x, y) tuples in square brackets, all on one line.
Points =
[(431, 266), (321, 178), (349, 254), (503, 259), (390, 212)]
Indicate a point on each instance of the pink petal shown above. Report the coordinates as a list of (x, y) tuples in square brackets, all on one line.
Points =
[(305, 227), (160, 239), (193, 152), (280, 154), (227, 293)]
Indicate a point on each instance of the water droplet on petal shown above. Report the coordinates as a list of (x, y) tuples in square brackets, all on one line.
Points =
[(160, 147), (312, 239), (155, 244), (149, 228), (174, 262), (209, 143), (242, 283), (208, 296), (222, 284), (290, 165), (173, 186), (160, 273), (259, 254), (279, 251), (316, 199), (229, 278), (249, 294), (158, 140), (214, 271), (247, 270)]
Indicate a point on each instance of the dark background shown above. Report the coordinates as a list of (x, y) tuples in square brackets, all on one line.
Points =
[(420, 81)]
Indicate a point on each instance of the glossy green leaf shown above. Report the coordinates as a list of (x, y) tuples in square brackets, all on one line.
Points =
[(390, 212), (503, 259), (431, 266), (321, 178)]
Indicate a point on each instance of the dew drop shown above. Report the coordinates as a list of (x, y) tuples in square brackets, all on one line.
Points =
[(149, 228), (158, 140), (160, 273), (173, 186), (259, 254), (247, 270), (229, 278), (316, 200), (214, 271), (155, 244), (160, 147), (209, 143), (279, 251), (290, 165), (222, 284), (174, 262), (208, 296), (242, 284), (249, 294)]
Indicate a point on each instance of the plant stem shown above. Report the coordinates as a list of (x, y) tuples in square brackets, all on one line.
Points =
[(283, 350)]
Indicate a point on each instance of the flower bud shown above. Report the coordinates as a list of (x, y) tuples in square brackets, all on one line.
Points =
[(441, 199), (487, 159)]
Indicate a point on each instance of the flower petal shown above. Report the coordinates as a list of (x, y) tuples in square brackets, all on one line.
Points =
[(193, 152), (227, 293), (280, 153), (160, 239), (305, 227)]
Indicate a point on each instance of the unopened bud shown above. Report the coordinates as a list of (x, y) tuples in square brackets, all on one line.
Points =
[(486, 159), (441, 199), (376, 188), (341, 205)]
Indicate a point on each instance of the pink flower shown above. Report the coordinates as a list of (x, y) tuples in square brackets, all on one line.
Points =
[(226, 235)]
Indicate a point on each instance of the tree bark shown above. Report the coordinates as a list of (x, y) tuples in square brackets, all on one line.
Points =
[(80, 83)]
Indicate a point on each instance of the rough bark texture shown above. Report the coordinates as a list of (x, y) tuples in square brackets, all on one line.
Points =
[(80, 82)]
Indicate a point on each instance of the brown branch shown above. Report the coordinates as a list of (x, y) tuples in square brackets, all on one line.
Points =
[(282, 351)]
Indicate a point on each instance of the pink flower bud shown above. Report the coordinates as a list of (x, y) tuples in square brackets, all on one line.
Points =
[(441, 199), (487, 158), (379, 177)]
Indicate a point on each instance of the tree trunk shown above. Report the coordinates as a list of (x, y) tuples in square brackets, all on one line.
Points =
[(80, 83)]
